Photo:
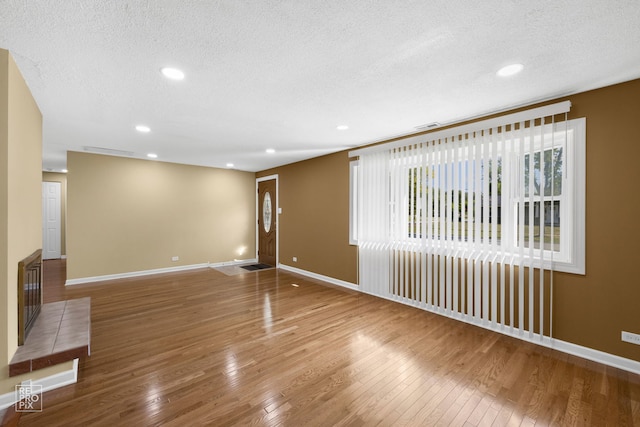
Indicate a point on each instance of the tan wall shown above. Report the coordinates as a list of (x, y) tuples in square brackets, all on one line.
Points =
[(5, 305), (126, 215), (62, 179), (589, 310), (24, 185), (314, 224), (20, 204)]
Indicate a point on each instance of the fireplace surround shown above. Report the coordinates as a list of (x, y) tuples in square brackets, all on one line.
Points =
[(29, 293)]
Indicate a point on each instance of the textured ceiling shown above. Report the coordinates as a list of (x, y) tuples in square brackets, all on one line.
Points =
[(284, 74)]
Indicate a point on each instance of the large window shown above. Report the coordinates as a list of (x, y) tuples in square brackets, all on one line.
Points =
[(516, 191)]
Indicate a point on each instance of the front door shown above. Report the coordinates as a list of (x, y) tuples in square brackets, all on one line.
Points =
[(267, 210)]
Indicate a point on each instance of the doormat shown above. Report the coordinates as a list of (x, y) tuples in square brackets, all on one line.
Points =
[(253, 267)]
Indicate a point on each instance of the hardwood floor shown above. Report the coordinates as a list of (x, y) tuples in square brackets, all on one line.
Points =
[(201, 347)]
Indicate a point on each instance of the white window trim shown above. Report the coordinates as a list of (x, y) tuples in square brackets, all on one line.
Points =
[(577, 251)]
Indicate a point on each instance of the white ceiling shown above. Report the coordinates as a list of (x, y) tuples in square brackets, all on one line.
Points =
[(283, 74)]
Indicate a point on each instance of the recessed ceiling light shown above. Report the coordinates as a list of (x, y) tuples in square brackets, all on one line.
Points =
[(270, 150), (172, 73), (229, 165), (64, 171), (143, 128), (152, 156), (342, 127), (510, 70)]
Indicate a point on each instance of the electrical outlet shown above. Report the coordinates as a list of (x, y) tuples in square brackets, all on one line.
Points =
[(631, 337), (295, 259), (175, 258)]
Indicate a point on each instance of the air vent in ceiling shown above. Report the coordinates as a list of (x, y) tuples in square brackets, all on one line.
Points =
[(108, 151), (428, 126)]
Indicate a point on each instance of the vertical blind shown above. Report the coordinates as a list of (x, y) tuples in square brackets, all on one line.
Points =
[(464, 222)]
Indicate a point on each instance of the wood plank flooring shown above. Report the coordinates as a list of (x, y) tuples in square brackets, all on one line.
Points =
[(204, 348)]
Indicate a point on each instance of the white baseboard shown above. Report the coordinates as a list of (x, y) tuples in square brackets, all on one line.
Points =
[(82, 280), (597, 356), (556, 344), (328, 279), (563, 346), (234, 262), (63, 257), (51, 382)]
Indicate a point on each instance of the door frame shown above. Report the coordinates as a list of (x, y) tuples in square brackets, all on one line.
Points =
[(276, 212)]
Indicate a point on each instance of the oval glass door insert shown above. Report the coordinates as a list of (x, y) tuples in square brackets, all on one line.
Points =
[(266, 212)]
